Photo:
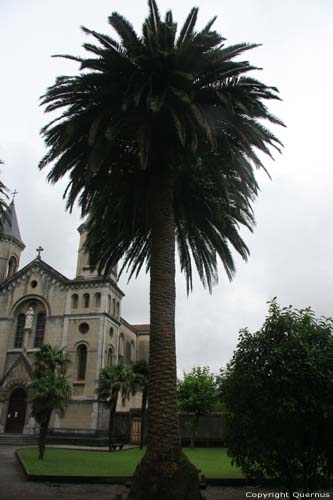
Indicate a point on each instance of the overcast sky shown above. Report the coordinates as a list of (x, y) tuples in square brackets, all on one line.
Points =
[(292, 245)]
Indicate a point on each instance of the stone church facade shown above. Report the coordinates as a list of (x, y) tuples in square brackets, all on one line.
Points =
[(39, 305)]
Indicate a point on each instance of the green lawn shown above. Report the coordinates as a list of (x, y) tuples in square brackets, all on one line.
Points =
[(213, 462)]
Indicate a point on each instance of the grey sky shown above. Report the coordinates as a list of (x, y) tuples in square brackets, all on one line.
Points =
[(292, 246)]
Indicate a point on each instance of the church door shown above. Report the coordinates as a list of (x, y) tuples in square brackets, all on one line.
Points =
[(16, 411)]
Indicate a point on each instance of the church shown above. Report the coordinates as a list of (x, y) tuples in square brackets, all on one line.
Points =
[(40, 305)]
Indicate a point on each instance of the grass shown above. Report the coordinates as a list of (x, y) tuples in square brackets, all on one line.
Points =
[(213, 462)]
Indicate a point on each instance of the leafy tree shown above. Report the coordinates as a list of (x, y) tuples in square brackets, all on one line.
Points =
[(196, 394), (49, 389), (278, 395), (115, 380), (159, 135), (141, 372)]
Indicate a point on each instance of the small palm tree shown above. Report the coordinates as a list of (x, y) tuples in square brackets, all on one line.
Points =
[(141, 372), (113, 381), (159, 135), (49, 389)]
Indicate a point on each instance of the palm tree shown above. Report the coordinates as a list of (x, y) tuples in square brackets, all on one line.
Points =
[(141, 372), (160, 135), (49, 389), (113, 381)]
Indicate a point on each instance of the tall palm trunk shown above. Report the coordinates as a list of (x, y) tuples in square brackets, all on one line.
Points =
[(143, 415), (112, 415), (164, 473)]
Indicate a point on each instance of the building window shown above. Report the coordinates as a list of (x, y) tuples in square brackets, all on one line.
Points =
[(40, 330), (110, 357), (114, 308), (86, 300), (121, 347), (111, 332), (97, 300), (109, 304), (19, 331), (75, 301), (12, 266), (81, 354), (83, 328), (118, 310)]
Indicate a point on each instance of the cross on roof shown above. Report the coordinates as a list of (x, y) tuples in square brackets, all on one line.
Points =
[(39, 250), (14, 193)]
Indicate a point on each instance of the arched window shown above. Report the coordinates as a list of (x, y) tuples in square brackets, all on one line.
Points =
[(19, 331), (40, 329), (97, 299), (114, 307), (118, 310), (81, 355), (121, 347), (110, 357), (132, 352), (85, 300), (75, 301), (128, 355), (109, 304), (12, 266)]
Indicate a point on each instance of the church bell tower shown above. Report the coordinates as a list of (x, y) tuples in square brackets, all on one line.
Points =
[(11, 244), (83, 269)]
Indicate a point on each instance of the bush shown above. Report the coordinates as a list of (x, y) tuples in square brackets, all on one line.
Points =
[(278, 397)]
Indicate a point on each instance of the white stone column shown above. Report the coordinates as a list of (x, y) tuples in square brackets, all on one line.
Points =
[(66, 320), (100, 353)]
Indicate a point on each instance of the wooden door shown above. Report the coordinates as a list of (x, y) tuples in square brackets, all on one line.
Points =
[(16, 411), (136, 430)]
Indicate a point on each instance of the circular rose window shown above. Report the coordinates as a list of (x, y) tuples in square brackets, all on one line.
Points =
[(33, 284), (83, 328)]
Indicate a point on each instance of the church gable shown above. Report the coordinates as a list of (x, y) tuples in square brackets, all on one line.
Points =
[(36, 281), (37, 266)]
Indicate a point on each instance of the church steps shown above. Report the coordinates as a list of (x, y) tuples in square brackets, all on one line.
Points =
[(17, 440)]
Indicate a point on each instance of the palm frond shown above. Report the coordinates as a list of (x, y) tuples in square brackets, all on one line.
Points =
[(188, 27)]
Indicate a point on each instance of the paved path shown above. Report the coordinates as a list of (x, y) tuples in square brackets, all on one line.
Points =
[(14, 486)]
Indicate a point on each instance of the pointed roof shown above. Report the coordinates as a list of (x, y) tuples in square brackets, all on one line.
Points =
[(10, 224)]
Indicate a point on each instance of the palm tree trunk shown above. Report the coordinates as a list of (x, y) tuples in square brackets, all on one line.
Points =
[(43, 429), (164, 473), (143, 416), (113, 408)]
